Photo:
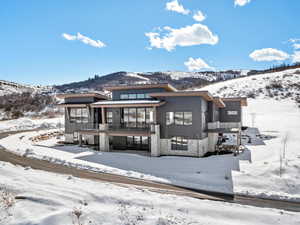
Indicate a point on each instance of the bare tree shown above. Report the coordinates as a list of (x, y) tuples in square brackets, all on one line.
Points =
[(284, 142), (282, 152), (253, 117), (280, 162)]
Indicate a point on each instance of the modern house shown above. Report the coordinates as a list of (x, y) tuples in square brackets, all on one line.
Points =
[(151, 117)]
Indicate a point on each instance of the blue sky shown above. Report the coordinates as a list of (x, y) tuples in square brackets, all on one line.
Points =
[(33, 49)]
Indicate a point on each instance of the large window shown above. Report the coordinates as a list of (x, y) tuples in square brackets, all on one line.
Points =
[(179, 144), (179, 118), (137, 117), (79, 115), (134, 96)]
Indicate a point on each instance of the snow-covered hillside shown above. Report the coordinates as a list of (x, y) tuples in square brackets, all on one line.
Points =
[(278, 85), (7, 87)]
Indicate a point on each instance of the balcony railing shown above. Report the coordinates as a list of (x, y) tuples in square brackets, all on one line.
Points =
[(124, 126), (83, 126)]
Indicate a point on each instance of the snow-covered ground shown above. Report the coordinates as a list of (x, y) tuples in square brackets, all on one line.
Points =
[(27, 123), (277, 119), (52, 199)]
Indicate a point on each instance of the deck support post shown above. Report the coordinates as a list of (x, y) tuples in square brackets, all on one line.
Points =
[(80, 139), (103, 138), (155, 140)]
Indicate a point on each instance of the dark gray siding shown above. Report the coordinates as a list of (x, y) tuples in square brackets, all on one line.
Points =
[(213, 112), (196, 105), (231, 106), (116, 94)]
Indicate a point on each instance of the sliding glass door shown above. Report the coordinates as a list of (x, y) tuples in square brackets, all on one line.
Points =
[(138, 143)]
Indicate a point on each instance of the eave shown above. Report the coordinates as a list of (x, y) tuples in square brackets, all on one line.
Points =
[(205, 94)]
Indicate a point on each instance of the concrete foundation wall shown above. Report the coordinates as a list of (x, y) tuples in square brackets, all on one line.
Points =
[(212, 141), (69, 138)]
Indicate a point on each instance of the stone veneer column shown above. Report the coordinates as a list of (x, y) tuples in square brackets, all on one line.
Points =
[(155, 140), (103, 138)]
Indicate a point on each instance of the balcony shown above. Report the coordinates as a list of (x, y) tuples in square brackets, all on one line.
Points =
[(123, 129)]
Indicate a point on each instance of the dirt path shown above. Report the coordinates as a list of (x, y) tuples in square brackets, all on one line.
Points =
[(7, 156)]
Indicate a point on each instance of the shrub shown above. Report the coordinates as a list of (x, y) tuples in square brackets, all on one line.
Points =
[(274, 85), (251, 95)]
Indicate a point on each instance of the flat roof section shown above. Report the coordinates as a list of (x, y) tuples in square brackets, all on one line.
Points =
[(168, 87)]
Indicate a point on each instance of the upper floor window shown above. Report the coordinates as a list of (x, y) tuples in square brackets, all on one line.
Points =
[(179, 118), (135, 96), (79, 115), (232, 113), (124, 96), (179, 143)]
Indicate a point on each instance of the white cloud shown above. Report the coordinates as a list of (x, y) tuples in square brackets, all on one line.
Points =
[(296, 46), (69, 37), (195, 34), (296, 57), (294, 40), (241, 2), (199, 16), (84, 39), (268, 54), (196, 64), (176, 7)]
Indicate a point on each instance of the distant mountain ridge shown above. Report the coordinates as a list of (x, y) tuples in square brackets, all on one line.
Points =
[(180, 80)]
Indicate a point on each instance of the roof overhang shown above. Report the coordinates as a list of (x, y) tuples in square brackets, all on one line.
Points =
[(205, 94), (82, 95), (66, 105), (167, 87), (122, 104), (219, 102), (243, 100)]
